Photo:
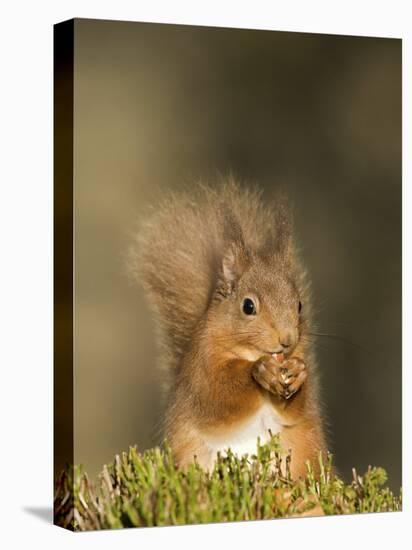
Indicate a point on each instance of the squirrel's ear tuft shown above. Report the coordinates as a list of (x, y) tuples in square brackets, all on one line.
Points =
[(279, 241), (235, 258), (234, 263)]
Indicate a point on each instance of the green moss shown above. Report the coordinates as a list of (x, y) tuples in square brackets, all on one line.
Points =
[(148, 489)]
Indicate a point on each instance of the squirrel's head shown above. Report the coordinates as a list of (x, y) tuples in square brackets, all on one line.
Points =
[(258, 305)]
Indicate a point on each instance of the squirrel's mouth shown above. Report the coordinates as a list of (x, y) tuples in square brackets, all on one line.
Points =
[(279, 354), (275, 351)]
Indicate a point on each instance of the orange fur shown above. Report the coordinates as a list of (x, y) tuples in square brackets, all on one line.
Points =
[(199, 258)]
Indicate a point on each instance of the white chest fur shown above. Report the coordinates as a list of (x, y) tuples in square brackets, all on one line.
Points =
[(243, 438)]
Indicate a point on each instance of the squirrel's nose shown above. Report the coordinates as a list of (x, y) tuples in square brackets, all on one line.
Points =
[(285, 339)]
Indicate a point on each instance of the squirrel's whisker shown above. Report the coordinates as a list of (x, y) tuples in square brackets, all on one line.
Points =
[(339, 338)]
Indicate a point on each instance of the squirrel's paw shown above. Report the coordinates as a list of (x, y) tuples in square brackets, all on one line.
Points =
[(284, 378)]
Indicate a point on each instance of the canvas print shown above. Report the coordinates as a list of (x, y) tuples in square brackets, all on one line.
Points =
[(227, 248)]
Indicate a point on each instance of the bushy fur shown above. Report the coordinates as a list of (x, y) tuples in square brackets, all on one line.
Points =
[(200, 257), (178, 252)]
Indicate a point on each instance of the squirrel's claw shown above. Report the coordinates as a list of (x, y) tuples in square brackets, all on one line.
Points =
[(283, 379)]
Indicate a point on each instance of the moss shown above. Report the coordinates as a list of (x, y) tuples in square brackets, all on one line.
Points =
[(140, 490)]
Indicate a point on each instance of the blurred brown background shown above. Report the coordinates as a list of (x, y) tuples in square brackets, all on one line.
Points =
[(158, 106)]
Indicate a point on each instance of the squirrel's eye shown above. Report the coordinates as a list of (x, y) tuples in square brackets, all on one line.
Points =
[(300, 307), (249, 307)]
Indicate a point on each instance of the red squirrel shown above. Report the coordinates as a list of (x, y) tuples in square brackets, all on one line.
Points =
[(222, 272)]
